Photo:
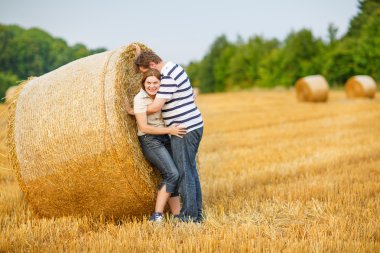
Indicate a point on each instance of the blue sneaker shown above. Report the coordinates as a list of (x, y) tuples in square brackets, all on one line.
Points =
[(156, 217)]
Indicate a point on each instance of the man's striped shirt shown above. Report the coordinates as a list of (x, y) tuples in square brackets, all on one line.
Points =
[(179, 107)]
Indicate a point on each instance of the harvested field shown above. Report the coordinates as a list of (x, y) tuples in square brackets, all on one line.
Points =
[(277, 176)]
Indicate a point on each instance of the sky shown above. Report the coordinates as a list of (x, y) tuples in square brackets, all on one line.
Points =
[(177, 30)]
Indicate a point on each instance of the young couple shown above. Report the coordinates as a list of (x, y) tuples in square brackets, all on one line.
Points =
[(165, 106)]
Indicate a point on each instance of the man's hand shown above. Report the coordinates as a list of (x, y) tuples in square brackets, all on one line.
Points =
[(137, 49), (177, 130)]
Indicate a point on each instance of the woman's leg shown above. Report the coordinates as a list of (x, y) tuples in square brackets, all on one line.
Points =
[(162, 199), (175, 205), (174, 201), (155, 151)]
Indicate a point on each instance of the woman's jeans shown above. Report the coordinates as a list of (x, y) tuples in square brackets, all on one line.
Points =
[(157, 150), (184, 155)]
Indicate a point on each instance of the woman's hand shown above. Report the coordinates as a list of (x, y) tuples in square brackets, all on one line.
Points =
[(177, 130)]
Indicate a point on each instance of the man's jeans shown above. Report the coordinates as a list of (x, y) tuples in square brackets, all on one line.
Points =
[(184, 155)]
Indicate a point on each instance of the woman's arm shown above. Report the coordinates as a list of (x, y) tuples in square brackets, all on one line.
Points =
[(141, 119)]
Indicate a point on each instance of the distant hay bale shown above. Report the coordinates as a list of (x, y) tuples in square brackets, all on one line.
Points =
[(360, 86), (73, 146), (10, 94), (312, 89)]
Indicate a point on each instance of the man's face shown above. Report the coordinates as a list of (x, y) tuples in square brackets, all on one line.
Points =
[(152, 65), (143, 70)]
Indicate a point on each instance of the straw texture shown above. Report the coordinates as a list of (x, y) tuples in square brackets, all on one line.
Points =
[(9, 94), (312, 89), (72, 144), (360, 86)]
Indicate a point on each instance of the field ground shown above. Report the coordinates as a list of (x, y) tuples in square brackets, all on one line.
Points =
[(277, 176)]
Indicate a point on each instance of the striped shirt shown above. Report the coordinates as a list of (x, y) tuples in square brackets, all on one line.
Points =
[(176, 89)]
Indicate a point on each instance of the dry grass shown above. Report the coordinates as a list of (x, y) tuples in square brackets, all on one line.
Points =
[(277, 175)]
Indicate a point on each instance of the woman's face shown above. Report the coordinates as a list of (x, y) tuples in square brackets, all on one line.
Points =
[(151, 84)]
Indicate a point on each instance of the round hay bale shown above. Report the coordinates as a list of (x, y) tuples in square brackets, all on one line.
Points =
[(312, 89), (360, 86), (10, 94), (73, 146)]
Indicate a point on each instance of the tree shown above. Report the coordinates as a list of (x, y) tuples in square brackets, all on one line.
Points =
[(33, 52), (332, 34), (358, 52), (339, 63), (193, 70), (366, 10), (367, 51), (299, 56), (6, 80), (209, 81), (245, 64)]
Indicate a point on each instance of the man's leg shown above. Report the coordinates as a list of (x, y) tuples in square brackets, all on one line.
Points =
[(184, 153), (198, 136), (198, 196), (186, 182)]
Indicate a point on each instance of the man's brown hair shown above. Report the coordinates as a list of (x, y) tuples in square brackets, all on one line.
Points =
[(145, 58)]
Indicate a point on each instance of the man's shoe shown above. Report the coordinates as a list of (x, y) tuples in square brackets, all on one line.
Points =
[(156, 217), (177, 217), (186, 219), (200, 219)]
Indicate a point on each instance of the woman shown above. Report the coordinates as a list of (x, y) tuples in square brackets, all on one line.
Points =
[(155, 143)]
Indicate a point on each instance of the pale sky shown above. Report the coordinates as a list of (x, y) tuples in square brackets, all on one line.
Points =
[(180, 31)]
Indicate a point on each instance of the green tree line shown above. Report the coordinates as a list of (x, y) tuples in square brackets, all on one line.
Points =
[(259, 62), (255, 62), (33, 52)]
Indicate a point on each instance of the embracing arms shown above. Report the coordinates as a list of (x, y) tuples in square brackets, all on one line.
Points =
[(141, 119), (156, 106), (142, 122)]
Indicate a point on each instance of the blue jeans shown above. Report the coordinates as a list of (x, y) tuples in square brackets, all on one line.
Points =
[(157, 150), (184, 155)]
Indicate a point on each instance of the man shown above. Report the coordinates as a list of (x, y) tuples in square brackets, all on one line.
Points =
[(176, 101)]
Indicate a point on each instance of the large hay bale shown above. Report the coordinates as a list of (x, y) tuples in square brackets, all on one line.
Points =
[(73, 146), (360, 86), (10, 94), (312, 89)]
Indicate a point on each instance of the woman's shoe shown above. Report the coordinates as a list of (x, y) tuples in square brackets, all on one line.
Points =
[(156, 217)]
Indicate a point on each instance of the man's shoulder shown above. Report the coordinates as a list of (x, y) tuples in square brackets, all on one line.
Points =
[(169, 68)]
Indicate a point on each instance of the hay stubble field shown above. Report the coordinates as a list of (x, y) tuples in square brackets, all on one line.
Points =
[(277, 176)]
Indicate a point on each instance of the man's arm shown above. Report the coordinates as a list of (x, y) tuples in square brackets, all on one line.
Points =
[(142, 123), (156, 106), (167, 88)]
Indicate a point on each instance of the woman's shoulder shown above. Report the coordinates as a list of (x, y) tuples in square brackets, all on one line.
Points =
[(140, 95)]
